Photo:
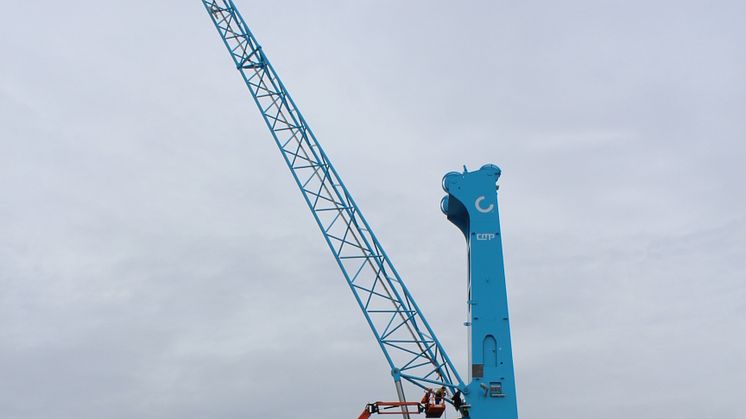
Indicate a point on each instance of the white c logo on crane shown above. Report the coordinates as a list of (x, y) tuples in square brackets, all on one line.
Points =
[(478, 204)]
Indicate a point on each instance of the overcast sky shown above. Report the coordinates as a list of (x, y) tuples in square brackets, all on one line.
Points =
[(157, 261)]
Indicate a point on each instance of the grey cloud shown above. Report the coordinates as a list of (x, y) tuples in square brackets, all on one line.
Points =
[(156, 261)]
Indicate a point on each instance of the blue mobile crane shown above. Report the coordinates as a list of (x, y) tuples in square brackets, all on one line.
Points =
[(413, 352)]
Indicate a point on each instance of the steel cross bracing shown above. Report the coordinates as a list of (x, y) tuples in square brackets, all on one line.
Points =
[(409, 344)]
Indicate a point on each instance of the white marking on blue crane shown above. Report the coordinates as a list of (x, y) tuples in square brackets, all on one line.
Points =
[(478, 205)]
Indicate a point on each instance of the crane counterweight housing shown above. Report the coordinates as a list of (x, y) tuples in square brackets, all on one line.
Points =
[(413, 352)]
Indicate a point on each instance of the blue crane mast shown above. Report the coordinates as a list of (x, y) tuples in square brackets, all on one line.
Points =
[(413, 352)]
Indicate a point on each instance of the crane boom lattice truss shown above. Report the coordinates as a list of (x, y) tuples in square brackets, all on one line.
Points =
[(408, 343)]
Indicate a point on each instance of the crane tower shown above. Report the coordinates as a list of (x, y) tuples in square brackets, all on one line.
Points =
[(412, 350)]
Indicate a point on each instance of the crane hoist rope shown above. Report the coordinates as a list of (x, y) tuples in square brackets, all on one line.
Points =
[(412, 351)]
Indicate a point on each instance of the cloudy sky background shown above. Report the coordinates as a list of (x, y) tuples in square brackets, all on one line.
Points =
[(156, 260)]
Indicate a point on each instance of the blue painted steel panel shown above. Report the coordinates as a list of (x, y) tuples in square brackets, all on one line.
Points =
[(471, 204)]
